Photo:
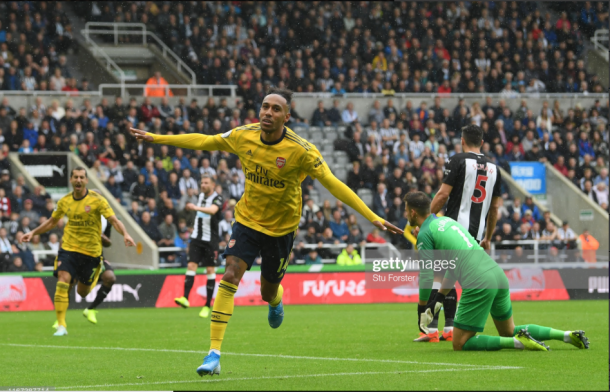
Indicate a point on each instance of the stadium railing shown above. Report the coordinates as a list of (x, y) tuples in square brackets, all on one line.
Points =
[(600, 42), (167, 52), (542, 257), (190, 89), (110, 64)]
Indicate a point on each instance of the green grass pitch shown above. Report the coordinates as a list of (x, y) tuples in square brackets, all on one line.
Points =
[(334, 347)]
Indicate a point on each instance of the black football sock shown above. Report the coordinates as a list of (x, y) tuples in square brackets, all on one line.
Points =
[(100, 297), (189, 280), (450, 306), (210, 289)]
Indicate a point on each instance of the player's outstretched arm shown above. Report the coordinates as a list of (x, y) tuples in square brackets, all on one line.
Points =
[(346, 195), (49, 224), (120, 227), (193, 141)]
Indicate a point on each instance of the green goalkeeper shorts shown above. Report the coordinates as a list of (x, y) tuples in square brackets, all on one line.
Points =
[(477, 303)]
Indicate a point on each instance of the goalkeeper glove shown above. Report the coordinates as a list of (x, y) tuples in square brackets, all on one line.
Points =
[(420, 310), (431, 309)]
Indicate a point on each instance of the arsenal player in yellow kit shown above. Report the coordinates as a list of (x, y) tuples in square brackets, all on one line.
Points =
[(275, 161), (80, 255)]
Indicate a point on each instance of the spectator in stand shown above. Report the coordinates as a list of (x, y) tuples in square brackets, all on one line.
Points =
[(156, 87), (313, 257), (381, 201), (529, 205), (589, 246), (320, 116), (149, 227), (349, 115), (601, 193), (375, 238), (148, 111), (167, 231), (567, 235), (339, 227), (349, 256)]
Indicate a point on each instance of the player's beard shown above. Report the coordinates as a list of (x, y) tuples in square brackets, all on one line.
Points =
[(269, 128)]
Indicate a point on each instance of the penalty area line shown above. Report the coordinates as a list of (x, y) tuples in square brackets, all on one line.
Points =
[(265, 355), (276, 377)]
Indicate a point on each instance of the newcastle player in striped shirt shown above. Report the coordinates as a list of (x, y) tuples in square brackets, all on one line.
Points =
[(471, 189), (203, 248)]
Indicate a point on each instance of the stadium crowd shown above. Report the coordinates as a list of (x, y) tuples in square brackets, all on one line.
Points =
[(386, 47), (392, 152), (34, 40)]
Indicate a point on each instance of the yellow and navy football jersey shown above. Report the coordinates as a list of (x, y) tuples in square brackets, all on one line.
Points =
[(272, 201), (83, 232), (274, 171)]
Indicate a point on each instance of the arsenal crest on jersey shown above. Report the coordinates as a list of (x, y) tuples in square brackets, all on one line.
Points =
[(87, 209), (280, 162), (231, 243)]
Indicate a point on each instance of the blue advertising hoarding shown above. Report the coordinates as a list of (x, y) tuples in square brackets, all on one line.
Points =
[(531, 176)]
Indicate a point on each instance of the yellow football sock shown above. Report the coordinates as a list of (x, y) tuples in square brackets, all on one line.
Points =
[(278, 298), (221, 313), (61, 302)]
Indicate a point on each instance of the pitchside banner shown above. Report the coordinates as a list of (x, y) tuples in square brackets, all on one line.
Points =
[(19, 293)]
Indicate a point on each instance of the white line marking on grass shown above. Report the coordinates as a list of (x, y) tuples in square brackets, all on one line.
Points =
[(269, 377), (264, 355)]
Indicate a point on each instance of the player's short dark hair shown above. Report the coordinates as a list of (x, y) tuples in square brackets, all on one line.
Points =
[(283, 92), (207, 175), (418, 201), (473, 135), (78, 168)]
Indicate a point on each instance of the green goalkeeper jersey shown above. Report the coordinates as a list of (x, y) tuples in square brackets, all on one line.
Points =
[(469, 261)]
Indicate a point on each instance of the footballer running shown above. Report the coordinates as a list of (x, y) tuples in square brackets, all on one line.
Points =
[(80, 255), (275, 161)]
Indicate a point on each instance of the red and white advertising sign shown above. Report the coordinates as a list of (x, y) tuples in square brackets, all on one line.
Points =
[(350, 288), (20, 294)]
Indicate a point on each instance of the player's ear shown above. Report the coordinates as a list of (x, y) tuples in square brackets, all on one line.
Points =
[(287, 117)]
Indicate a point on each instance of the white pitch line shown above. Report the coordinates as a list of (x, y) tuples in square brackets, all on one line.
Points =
[(264, 355), (270, 377)]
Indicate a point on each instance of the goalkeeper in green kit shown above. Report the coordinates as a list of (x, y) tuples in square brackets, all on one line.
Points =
[(484, 288)]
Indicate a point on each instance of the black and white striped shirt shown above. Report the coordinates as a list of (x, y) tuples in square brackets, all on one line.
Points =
[(206, 226), (475, 181)]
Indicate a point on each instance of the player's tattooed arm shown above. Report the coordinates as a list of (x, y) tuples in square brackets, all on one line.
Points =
[(49, 224)]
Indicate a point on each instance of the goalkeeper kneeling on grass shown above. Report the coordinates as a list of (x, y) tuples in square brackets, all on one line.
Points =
[(484, 284)]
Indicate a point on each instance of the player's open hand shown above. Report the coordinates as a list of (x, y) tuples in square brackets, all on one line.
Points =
[(128, 240), (387, 226), (27, 237), (189, 206), (141, 135)]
